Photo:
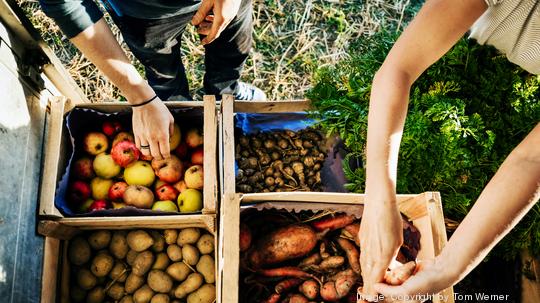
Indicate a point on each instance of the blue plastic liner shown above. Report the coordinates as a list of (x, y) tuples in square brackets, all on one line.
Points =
[(81, 121)]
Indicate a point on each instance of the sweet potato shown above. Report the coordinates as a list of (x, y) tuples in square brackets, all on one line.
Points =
[(353, 256), (331, 262), (400, 274), (287, 284), (288, 271), (310, 289), (283, 244), (352, 230), (338, 286), (333, 222), (313, 259), (245, 237), (274, 298), (295, 298)]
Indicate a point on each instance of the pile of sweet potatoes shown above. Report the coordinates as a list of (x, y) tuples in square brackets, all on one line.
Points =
[(305, 257)]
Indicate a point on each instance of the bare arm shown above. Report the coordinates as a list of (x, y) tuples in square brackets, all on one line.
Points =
[(439, 24), (509, 195)]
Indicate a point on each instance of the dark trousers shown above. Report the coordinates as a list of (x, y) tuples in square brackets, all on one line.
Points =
[(156, 44)]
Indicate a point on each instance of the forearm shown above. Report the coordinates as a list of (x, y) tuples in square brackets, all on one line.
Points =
[(512, 192), (99, 45)]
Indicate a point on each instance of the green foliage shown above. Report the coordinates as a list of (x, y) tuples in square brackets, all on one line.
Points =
[(466, 113)]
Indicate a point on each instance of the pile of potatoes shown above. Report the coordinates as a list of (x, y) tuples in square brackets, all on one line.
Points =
[(143, 266)]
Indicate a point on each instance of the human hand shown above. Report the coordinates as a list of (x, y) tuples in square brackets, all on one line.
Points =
[(211, 26), (152, 127), (381, 235)]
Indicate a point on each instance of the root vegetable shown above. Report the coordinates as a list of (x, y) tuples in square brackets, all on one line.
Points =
[(331, 263), (127, 299), (143, 294), (205, 294), (119, 272), (269, 144), (99, 239), (162, 261), (174, 252), (139, 240), (86, 279), (130, 256), (288, 271), (339, 285), (313, 259), (102, 264), (400, 274), (244, 188), (296, 298), (178, 271), (275, 156), (192, 283), (283, 244), (245, 237), (188, 236), (119, 246), (352, 231), (159, 281), (333, 223), (159, 241), (269, 171), (269, 181), (142, 263), (96, 295), (160, 298), (310, 289), (190, 254), (287, 284), (205, 244), (79, 251), (353, 256), (206, 266), (274, 298), (116, 291), (133, 282)]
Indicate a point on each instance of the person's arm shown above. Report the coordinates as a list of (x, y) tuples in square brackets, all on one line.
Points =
[(436, 28), (509, 195)]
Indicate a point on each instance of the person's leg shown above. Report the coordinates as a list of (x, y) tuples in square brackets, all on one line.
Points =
[(226, 55), (156, 44)]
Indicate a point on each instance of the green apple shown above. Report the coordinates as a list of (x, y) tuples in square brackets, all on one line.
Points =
[(100, 188), (139, 173), (190, 201), (105, 167), (83, 208), (166, 205)]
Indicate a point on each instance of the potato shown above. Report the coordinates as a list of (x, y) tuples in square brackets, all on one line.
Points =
[(205, 244), (116, 291), (130, 257), (143, 295), (170, 236), (178, 271), (188, 236), (205, 294), (206, 267), (102, 264), (79, 251), (160, 298), (190, 254), (96, 295), (174, 252), (159, 281), (139, 240), (99, 239), (86, 279), (127, 299), (142, 263), (192, 283), (162, 261), (118, 246), (77, 294), (119, 272), (159, 241), (133, 282)]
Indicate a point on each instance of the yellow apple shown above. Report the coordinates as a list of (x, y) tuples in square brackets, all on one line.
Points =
[(175, 138), (118, 205), (100, 188), (190, 201), (166, 205), (139, 173), (105, 167)]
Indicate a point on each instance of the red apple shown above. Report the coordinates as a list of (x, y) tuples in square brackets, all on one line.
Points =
[(166, 192), (194, 177), (83, 169), (78, 192), (95, 143), (124, 153), (111, 128), (180, 186), (123, 136), (194, 137), (146, 157), (168, 170), (181, 150), (197, 156), (99, 205), (116, 191)]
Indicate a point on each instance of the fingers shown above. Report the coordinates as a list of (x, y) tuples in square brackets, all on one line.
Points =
[(218, 26), (154, 149), (204, 28), (164, 145), (144, 146), (202, 12)]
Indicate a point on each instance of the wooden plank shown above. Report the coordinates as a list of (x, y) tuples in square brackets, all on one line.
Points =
[(272, 106), (50, 270), (230, 247), (229, 179), (55, 229), (210, 151), (316, 197)]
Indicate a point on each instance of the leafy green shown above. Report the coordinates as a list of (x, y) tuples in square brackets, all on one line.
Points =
[(466, 114)]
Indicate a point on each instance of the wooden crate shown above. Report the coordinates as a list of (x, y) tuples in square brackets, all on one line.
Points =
[(55, 280), (57, 141), (424, 210)]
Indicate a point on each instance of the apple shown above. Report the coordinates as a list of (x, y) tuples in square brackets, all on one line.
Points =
[(116, 192), (194, 137), (111, 128), (180, 186), (122, 136), (124, 153), (190, 201), (197, 156), (181, 150), (100, 188), (99, 205), (166, 205), (83, 208), (118, 205), (194, 177), (174, 140), (78, 192), (146, 157), (138, 196), (159, 184), (169, 170), (105, 167), (95, 143), (139, 173), (166, 192), (83, 169)]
